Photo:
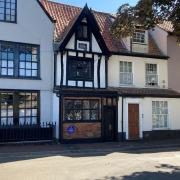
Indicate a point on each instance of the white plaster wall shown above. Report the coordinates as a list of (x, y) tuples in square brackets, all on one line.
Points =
[(58, 70), (71, 43), (33, 27), (160, 37), (95, 45), (103, 73), (138, 64), (56, 114), (145, 105), (46, 106)]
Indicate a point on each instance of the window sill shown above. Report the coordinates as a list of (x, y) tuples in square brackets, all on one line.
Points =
[(19, 78), (156, 86), (9, 22), (160, 129), (127, 85), (145, 44)]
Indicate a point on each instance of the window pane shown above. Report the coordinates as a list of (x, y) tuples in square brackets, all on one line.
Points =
[(151, 75), (7, 108), (7, 51), (160, 114), (8, 10), (126, 75), (81, 110), (80, 69), (28, 55), (28, 107)]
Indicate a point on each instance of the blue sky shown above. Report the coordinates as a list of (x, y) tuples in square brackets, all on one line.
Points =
[(99, 5)]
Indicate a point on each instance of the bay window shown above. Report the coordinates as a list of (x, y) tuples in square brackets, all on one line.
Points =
[(82, 110)]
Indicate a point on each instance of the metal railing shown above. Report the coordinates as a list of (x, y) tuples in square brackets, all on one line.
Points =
[(27, 132), (151, 80)]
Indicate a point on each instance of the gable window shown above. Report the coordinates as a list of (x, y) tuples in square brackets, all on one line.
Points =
[(80, 69), (18, 108), (160, 114), (82, 110), (126, 75), (8, 10), (19, 60), (139, 37), (83, 32), (151, 75)]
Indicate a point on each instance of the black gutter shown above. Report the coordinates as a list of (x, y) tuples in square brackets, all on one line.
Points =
[(139, 55)]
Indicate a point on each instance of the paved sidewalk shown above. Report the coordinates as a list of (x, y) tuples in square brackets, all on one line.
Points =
[(157, 160)]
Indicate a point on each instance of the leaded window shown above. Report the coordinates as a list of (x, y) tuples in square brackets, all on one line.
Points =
[(19, 60), (28, 108), (151, 75), (160, 114), (19, 108), (82, 110), (80, 69), (28, 61), (7, 108), (126, 75), (7, 59), (8, 10)]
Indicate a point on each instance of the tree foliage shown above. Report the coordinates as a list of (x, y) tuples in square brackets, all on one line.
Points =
[(146, 13)]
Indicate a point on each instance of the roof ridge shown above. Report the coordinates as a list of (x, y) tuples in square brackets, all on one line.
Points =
[(50, 1)]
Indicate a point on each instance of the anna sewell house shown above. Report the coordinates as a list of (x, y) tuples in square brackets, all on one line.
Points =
[(64, 76)]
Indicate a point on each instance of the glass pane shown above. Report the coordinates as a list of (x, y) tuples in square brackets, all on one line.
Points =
[(86, 114), (94, 115)]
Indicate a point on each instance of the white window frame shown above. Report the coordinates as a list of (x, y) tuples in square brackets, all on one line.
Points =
[(153, 75), (137, 39), (82, 42), (160, 114), (126, 73)]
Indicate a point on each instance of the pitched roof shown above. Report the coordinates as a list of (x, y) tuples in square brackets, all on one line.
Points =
[(65, 16), (166, 26)]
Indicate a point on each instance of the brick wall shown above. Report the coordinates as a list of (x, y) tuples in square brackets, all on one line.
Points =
[(82, 131)]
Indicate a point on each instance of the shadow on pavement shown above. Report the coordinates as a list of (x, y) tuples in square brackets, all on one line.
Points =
[(164, 172)]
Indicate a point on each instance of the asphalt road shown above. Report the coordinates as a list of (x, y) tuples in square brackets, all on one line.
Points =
[(109, 164)]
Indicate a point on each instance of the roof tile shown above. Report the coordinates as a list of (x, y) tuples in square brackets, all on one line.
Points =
[(65, 15)]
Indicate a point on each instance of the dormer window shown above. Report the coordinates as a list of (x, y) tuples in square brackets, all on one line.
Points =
[(8, 10), (139, 37), (83, 32)]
